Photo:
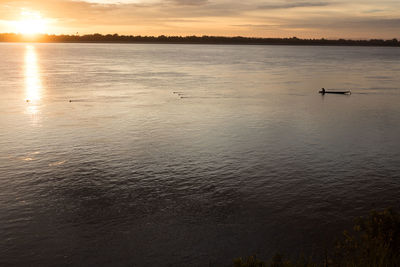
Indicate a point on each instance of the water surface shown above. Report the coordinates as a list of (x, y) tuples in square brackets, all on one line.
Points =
[(190, 155)]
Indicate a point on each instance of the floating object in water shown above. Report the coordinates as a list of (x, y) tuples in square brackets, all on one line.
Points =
[(323, 91), (27, 101), (70, 101)]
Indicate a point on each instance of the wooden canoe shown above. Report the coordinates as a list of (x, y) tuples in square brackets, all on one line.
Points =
[(335, 92)]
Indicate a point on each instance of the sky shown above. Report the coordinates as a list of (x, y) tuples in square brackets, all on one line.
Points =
[(354, 19)]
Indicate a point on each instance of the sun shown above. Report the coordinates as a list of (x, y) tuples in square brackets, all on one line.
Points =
[(31, 23)]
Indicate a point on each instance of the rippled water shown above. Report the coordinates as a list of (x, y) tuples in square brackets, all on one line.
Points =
[(190, 155)]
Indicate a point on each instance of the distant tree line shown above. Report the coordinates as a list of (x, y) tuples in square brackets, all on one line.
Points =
[(115, 38)]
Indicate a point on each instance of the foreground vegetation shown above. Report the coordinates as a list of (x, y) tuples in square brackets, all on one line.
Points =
[(115, 38), (373, 242)]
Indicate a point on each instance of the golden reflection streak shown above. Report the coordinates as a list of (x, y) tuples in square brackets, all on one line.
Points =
[(33, 84)]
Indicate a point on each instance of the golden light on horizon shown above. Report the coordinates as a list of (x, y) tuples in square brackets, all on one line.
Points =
[(31, 23)]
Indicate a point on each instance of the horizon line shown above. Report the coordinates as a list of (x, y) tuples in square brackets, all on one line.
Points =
[(194, 35), (190, 39)]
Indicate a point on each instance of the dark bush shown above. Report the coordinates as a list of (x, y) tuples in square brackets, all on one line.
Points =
[(374, 242)]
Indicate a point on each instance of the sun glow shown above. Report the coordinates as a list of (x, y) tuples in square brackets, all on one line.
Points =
[(31, 23)]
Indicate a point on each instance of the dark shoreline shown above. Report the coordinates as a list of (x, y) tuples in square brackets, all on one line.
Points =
[(212, 40)]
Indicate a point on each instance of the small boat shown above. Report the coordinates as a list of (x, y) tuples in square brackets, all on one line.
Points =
[(323, 91)]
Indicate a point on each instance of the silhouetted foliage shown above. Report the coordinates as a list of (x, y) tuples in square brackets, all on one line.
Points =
[(115, 38), (276, 261), (374, 242)]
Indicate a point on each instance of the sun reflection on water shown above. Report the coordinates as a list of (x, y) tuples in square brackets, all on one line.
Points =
[(32, 78), (33, 85)]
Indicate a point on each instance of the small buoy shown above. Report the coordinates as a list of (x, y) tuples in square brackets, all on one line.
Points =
[(27, 101)]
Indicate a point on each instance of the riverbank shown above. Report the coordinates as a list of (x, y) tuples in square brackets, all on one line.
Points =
[(162, 39), (374, 241)]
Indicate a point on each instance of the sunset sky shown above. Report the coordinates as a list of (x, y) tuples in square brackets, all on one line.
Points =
[(262, 18)]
